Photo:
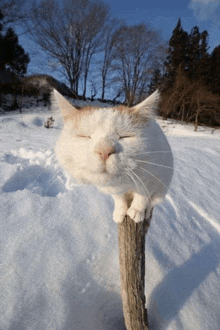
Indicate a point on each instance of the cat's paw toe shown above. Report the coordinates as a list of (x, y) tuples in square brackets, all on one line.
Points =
[(118, 217), (136, 215)]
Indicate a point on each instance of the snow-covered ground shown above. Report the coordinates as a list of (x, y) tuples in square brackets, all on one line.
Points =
[(59, 254)]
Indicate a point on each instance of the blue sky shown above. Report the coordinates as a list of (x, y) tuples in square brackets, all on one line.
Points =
[(160, 14), (163, 15)]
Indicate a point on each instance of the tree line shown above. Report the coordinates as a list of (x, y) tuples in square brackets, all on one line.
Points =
[(189, 82), (97, 52), (13, 58), (93, 49)]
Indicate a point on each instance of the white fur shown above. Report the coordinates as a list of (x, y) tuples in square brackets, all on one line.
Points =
[(128, 173)]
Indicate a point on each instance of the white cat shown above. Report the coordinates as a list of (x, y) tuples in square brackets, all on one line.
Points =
[(120, 150)]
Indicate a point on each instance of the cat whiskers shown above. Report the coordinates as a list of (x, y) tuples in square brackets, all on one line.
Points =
[(143, 161), (134, 153), (151, 152), (143, 169), (126, 171), (143, 185)]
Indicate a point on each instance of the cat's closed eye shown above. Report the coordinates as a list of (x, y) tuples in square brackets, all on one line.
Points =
[(126, 136), (84, 136)]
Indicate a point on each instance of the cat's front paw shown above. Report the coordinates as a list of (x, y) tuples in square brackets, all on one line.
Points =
[(135, 214), (118, 217)]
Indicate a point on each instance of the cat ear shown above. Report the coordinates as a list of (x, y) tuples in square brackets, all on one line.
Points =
[(148, 107), (67, 109)]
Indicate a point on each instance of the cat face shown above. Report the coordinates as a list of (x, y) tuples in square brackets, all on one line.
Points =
[(100, 142), (97, 145)]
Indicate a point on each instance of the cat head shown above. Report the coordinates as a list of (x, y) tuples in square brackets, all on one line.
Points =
[(97, 144), (142, 112)]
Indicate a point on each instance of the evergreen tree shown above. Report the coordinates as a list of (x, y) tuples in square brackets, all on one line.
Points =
[(204, 43), (189, 52), (214, 72), (193, 52), (198, 57), (192, 75), (1, 18), (177, 54), (12, 55), (1, 37), (155, 81)]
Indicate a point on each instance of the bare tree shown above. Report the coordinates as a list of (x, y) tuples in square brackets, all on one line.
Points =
[(138, 49), (108, 51), (15, 12), (176, 101), (95, 23), (191, 101), (70, 34), (208, 107)]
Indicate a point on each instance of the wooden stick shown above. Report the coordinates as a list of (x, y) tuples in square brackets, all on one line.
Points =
[(131, 242)]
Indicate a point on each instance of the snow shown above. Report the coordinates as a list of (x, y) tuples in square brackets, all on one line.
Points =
[(59, 254)]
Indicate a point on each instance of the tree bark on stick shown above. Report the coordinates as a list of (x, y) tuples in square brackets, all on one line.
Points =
[(131, 242)]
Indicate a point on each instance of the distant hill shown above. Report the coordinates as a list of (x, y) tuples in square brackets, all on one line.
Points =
[(45, 80), (35, 90)]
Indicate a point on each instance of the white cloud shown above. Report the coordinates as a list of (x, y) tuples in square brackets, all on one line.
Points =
[(206, 9), (205, 2)]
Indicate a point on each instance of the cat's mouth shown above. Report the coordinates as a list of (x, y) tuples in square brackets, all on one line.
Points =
[(104, 169)]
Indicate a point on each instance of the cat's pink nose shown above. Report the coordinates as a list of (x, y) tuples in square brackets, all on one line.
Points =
[(106, 153), (104, 150)]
